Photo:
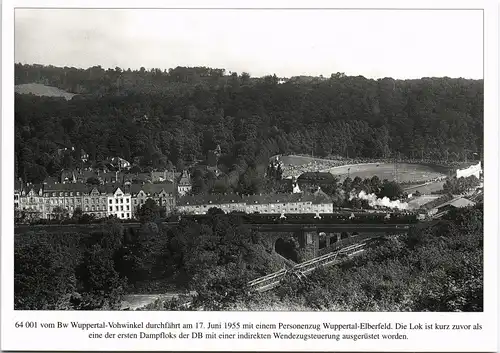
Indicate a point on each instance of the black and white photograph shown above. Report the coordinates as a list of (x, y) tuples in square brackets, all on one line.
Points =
[(249, 160)]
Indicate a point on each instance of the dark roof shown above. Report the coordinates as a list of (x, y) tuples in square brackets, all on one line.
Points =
[(185, 179), (66, 187), (252, 199), (51, 180), (152, 189)]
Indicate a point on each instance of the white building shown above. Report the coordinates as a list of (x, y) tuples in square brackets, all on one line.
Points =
[(184, 186), (475, 170), (119, 204)]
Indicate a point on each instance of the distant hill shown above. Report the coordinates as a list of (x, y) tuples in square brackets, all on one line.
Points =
[(42, 90)]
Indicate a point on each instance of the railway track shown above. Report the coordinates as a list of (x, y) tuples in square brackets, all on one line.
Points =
[(273, 280)]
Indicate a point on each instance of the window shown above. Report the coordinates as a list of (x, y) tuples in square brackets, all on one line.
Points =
[(53, 194), (128, 207), (122, 216), (121, 200), (110, 208), (71, 193), (128, 215), (121, 208), (110, 201), (116, 208), (78, 193), (60, 194), (128, 200)]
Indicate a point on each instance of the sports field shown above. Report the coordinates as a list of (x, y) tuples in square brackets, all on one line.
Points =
[(405, 172)]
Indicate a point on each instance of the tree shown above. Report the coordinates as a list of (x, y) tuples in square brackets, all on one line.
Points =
[(60, 212), (77, 213), (99, 284), (149, 211), (42, 279), (391, 190)]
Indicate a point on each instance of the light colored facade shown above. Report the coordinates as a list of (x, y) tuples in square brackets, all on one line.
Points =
[(284, 203), (163, 194), (475, 170), (31, 202), (62, 199), (119, 204), (95, 203), (184, 186)]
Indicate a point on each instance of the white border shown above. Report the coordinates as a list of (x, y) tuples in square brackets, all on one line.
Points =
[(485, 340)]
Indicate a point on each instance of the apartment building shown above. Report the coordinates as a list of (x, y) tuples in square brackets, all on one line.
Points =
[(60, 200), (263, 203), (162, 193), (119, 204)]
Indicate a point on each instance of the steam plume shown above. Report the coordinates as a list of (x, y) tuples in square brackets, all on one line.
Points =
[(374, 201)]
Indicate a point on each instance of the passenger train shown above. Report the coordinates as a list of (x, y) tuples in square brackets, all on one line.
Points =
[(341, 217)]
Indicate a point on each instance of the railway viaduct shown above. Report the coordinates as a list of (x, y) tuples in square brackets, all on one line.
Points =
[(312, 240)]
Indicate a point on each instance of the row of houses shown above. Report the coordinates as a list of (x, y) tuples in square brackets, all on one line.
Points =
[(49, 201), (182, 180), (317, 202)]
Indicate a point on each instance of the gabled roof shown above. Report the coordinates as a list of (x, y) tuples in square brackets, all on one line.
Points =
[(185, 179)]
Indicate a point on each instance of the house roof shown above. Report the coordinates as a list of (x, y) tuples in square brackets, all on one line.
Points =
[(253, 199), (185, 179), (152, 189), (461, 203)]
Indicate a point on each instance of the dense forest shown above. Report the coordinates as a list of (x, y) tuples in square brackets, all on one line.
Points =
[(436, 267), (160, 119)]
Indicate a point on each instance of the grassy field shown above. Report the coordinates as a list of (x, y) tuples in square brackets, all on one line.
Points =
[(42, 90), (406, 172)]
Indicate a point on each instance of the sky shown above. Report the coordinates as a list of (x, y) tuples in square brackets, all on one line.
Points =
[(371, 43)]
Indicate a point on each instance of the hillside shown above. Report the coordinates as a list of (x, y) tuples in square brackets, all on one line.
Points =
[(42, 90)]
